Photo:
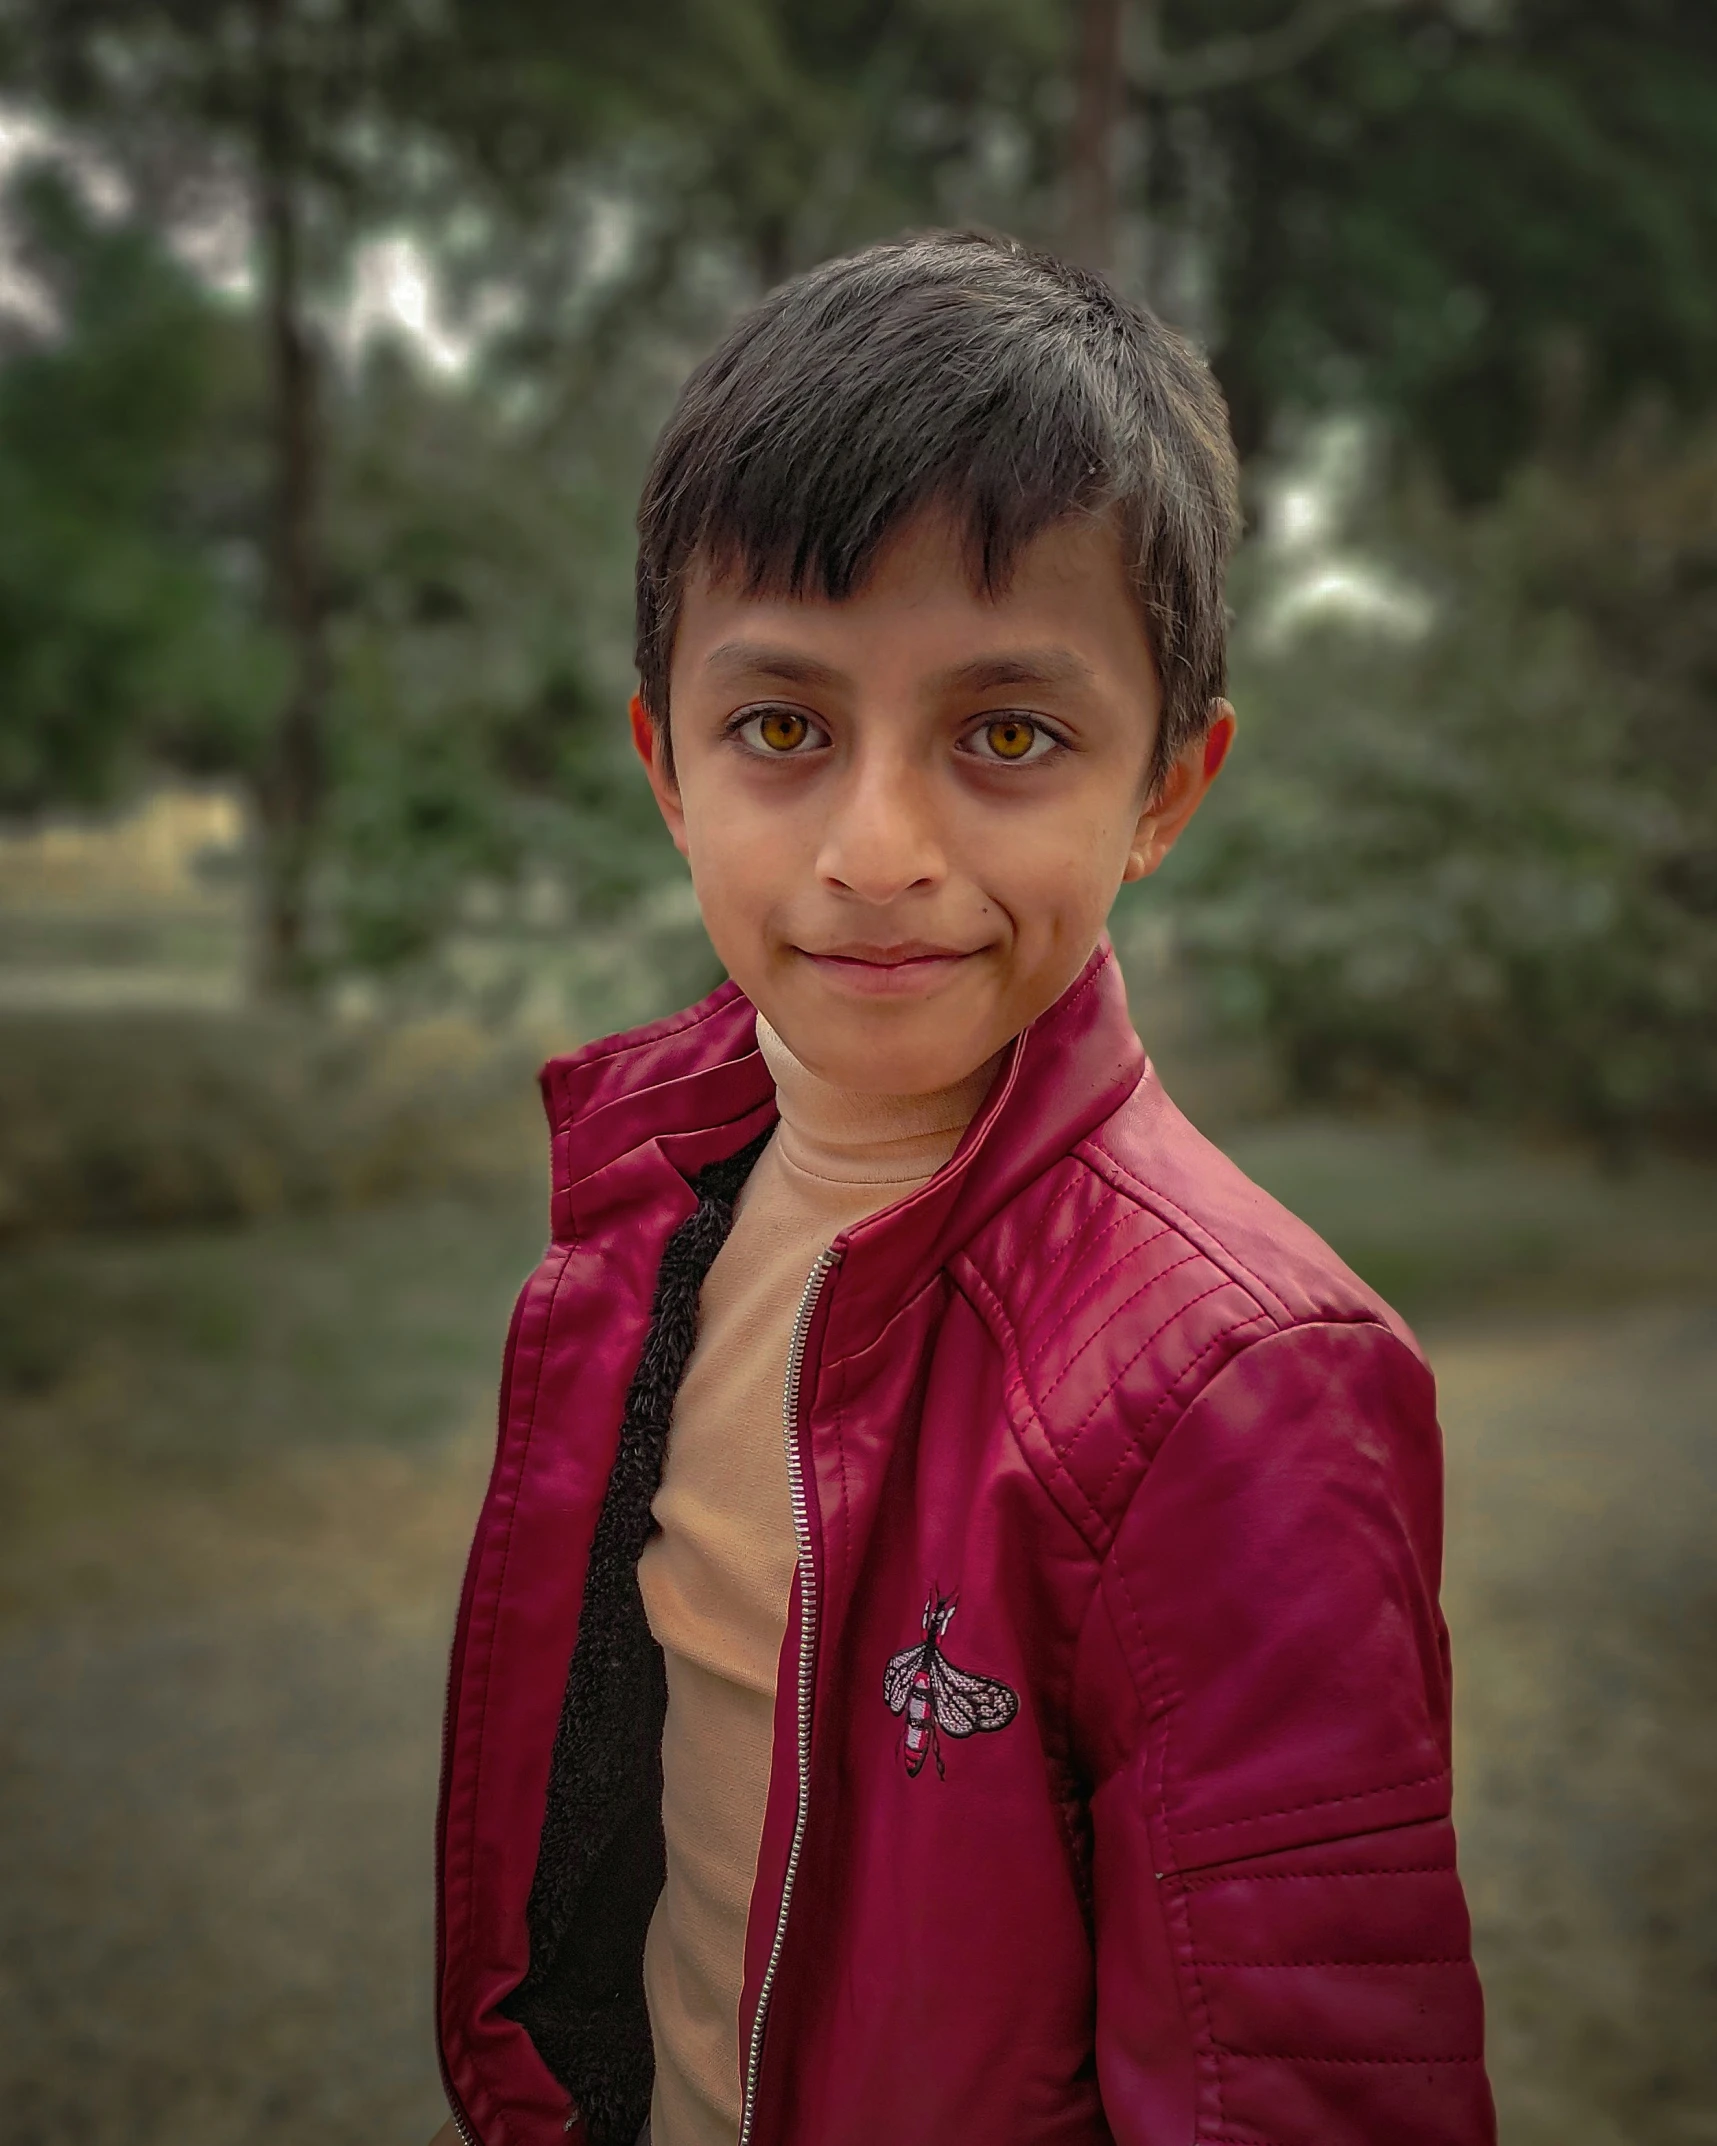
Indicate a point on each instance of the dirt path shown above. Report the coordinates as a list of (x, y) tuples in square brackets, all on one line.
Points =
[(215, 1821), (216, 1793), (1582, 1595)]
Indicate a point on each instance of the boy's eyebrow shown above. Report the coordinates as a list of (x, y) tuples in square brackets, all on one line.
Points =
[(762, 659), (984, 674), (1020, 667)]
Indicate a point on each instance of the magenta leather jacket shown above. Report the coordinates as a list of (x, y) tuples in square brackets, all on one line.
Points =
[(1110, 1797)]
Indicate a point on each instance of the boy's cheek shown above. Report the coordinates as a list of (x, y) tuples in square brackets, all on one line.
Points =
[(734, 912), (744, 861)]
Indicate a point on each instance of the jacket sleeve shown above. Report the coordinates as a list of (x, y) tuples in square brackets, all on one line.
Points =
[(1283, 1950)]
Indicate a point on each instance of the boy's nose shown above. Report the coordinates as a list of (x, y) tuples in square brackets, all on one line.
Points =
[(881, 839)]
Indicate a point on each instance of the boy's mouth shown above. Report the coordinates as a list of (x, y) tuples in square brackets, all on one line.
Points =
[(900, 971)]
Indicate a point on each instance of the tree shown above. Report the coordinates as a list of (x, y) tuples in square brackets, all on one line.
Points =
[(123, 637), (1493, 227), (1478, 867), (292, 99), (1099, 100), (1122, 69), (1461, 216), (750, 138), (1476, 220), (1481, 223)]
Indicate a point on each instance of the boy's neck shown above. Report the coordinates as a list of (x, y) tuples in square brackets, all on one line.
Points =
[(853, 1137)]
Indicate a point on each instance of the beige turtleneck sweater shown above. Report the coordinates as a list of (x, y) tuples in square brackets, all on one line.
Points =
[(717, 1574)]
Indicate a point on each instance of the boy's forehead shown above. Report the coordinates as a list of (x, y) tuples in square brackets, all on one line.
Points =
[(1066, 612), (746, 657)]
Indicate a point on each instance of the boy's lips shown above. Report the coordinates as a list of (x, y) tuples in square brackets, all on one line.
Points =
[(900, 971)]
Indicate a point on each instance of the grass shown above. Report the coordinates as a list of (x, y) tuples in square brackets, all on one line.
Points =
[(126, 1119), (143, 1373), (207, 1346), (201, 1348), (1454, 1220), (253, 1453)]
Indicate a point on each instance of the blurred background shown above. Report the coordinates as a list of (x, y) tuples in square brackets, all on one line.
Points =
[(333, 335)]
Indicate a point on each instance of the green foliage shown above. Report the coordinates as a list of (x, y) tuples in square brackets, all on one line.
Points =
[(1482, 869), (767, 130), (120, 636), (1466, 217), (477, 600), (1463, 216), (1479, 868), (478, 632)]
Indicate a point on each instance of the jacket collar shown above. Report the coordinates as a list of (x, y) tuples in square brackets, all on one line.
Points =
[(641, 1113)]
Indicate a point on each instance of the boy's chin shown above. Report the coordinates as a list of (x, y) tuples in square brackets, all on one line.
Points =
[(884, 1048)]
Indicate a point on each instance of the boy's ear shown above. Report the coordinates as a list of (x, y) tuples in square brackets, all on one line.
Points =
[(1184, 787), (650, 742)]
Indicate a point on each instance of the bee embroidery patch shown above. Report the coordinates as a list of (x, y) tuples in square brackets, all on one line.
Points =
[(937, 1699)]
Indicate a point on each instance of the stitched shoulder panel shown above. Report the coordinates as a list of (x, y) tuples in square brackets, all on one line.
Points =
[(1117, 1320), (1149, 1153), (1128, 1275)]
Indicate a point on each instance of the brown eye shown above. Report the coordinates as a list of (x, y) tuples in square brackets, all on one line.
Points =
[(780, 734), (1009, 738), (781, 731)]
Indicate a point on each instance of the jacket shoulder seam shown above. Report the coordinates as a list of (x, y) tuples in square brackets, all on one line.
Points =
[(1135, 1195), (1125, 1182), (1279, 1331), (1172, 1393), (1302, 2056), (992, 1313)]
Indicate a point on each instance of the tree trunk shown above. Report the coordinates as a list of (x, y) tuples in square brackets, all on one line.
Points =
[(1097, 106), (293, 777)]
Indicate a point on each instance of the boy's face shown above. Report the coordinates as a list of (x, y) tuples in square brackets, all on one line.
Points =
[(907, 814)]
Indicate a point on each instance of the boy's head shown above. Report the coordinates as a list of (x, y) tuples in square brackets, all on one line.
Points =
[(931, 641)]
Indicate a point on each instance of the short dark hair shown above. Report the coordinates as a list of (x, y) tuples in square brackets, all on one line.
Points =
[(960, 371)]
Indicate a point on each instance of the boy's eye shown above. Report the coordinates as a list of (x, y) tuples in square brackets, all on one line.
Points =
[(778, 731), (1011, 738)]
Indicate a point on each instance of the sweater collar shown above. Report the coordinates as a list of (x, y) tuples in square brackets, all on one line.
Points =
[(847, 1137), (630, 1113)]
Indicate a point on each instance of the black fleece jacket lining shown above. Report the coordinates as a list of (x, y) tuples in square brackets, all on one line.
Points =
[(602, 1861)]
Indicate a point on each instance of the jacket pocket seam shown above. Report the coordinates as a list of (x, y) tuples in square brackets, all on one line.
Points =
[(1203, 1875), (1439, 1959), (1300, 2056), (1318, 1803)]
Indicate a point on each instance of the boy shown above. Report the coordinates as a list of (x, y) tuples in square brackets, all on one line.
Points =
[(951, 1649)]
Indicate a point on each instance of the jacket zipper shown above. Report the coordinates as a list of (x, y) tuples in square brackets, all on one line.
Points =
[(826, 1260)]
